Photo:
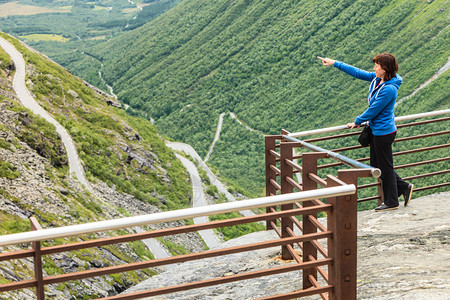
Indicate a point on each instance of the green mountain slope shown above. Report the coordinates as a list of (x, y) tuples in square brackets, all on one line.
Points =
[(123, 151), (117, 150), (258, 60)]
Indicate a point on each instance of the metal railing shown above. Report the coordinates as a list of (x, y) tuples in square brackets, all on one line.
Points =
[(281, 166), (38, 234), (333, 244), (435, 152)]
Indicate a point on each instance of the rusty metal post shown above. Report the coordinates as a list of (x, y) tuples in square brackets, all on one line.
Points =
[(309, 165), (343, 223), (270, 173), (38, 274), (286, 188), (331, 242)]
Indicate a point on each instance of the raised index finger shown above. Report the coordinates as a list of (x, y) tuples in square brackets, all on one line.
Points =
[(320, 58)]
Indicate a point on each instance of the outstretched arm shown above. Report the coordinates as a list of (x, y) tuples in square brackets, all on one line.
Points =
[(350, 70)]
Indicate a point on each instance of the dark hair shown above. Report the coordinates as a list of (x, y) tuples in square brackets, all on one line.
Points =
[(388, 64)]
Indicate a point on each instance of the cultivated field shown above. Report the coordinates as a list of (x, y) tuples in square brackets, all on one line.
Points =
[(16, 9)]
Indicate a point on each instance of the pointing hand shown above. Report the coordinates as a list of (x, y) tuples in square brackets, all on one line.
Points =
[(326, 61)]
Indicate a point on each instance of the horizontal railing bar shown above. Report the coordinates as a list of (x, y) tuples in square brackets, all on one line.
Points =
[(315, 243), (221, 280), (331, 137), (348, 161), (275, 184), (421, 136), (364, 186), (274, 153), (275, 169), (294, 165), (182, 258), (178, 230), (316, 284), (343, 135), (394, 154), (421, 149), (16, 255), (294, 183), (426, 175), (431, 187), (18, 285), (297, 222), (319, 247), (319, 269), (317, 179), (275, 227), (176, 215), (423, 115), (317, 223), (372, 198), (301, 293), (396, 141), (342, 127), (420, 163), (423, 122), (347, 148), (294, 254)]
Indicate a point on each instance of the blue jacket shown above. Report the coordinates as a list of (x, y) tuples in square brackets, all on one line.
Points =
[(382, 97)]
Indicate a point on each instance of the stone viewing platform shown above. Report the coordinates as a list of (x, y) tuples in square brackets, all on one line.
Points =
[(402, 254)]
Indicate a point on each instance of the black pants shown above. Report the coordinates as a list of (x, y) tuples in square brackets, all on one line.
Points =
[(381, 157)]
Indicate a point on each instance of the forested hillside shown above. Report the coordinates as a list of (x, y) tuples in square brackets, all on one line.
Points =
[(258, 60)]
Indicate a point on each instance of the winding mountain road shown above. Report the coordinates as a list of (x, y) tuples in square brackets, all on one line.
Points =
[(212, 178), (75, 167), (27, 100), (199, 199), (434, 77)]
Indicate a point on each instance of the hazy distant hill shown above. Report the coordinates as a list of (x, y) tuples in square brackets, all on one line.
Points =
[(258, 60), (63, 29)]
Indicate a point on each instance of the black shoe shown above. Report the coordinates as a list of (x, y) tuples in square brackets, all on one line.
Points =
[(384, 207), (408, 193)]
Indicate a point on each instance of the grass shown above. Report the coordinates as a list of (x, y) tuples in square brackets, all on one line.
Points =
[(8, 171), (44, 37)]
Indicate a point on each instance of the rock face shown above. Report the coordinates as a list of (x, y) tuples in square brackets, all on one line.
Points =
[(402, 254), (405, 254)]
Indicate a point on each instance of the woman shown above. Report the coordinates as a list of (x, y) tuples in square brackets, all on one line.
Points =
[(380, 115)]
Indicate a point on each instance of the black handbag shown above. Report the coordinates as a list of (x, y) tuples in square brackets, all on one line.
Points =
[(365, 137)]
